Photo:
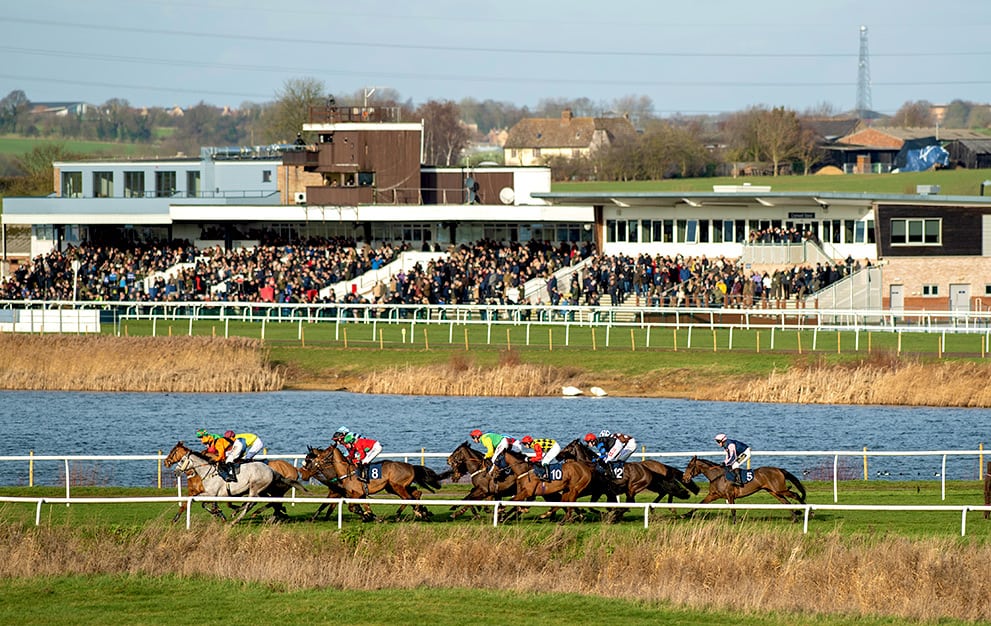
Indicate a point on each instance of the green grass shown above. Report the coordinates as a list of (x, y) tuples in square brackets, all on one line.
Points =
[(12, 145), (913, 524), (951, 182), (366, 347), (151, 600)]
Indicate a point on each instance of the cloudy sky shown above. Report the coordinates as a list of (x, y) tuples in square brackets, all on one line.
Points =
[(692, 56)]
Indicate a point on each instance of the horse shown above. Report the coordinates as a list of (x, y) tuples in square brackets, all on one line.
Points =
[(253, 479), (637, 476), (574, 480), (465, 460), (195, 485), (396, 478), (774, 480)]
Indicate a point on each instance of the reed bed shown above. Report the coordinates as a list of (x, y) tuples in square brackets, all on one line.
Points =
[(460, 376), (879, 380), (696, 564), (162, 364)]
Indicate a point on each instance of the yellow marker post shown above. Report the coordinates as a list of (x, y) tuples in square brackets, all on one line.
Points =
[(633, 342), (426, 341), (509, 345), (714, 340), (865, 462), (345, 337), (31, 468), (550, 339), (869, 335), (838, 335), (799, 334), (593, 340), (758, 342), (159, 466), (674, 332), (980, 461), (381, 338), (466, 339)]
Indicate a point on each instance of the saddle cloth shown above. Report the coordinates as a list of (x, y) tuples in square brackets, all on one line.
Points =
[(745, 475)]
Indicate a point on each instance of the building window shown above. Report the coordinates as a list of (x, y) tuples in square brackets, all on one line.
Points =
[(930, 290), (72, 184), (916, 232), (366, 179), (266, 176), (165, 184), (103, 184), (134, 184), (193, 184), (863, 231), (987, 290)]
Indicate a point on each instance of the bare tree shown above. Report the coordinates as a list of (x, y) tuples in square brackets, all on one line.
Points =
[(292, 108), (35, 170), (445, 137), (779, 135), (916, 114)]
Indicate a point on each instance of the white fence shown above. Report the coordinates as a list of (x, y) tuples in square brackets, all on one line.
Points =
[(807, 510), (681, 457)]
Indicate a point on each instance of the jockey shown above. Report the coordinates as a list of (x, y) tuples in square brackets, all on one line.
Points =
[(620, 446), (544, 452), (495, 445), (246, 446), (361, 451), (341, 433), (216, 446), (737, 453)]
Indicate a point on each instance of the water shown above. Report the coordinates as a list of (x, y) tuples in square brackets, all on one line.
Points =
[(55, 423)]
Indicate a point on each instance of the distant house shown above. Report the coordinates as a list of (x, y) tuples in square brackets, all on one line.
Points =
[(534, 140), (61, 109), (970, 153)]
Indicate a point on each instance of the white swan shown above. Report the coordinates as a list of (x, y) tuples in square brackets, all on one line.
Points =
[(571, 391), (598, 392)]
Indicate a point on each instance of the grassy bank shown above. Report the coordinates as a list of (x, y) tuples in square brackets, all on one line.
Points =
[(106, 363), (842, 368), (852, 565)]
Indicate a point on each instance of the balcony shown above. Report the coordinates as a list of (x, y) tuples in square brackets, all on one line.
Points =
[(302, 158)]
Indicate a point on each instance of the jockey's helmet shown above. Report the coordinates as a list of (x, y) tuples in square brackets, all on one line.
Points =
[(475, 434), (590, 437), (201, 433), (349, 438), (720, 438), (526, 440), (229, 434)]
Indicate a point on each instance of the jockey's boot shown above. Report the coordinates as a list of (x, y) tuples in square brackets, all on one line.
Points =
[(540, 471), (363, 473), (737, 479), (224, 470)]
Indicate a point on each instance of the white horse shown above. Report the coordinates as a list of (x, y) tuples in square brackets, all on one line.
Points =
[(253, 479)]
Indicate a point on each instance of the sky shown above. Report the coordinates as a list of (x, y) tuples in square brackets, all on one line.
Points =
[(688, 57)]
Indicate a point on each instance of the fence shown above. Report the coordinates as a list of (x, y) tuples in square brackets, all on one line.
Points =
[(807, 510), (422, 456)]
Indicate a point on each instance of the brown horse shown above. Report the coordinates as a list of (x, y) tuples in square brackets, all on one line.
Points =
[(465, 460), (397, 478), (774, 480), (637, 476), (574, 480)]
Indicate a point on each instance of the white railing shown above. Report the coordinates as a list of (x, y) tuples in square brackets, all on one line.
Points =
[(807, 510), (422, 456)]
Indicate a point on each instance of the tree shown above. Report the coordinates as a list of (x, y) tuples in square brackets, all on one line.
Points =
[(916, 114), (12, 110), (292, 109), (640, 109), (957, 114), (761, 134), (445, 137), (35, 169)]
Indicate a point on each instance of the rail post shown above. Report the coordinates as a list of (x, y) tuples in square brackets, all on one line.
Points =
[(865, 462), (495, 514), (158, 466), (31, 468)]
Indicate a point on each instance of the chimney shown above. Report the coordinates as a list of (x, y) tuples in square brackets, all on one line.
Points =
[(566, 116)]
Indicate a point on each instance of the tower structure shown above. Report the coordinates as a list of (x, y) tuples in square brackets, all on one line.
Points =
[(863, 77)]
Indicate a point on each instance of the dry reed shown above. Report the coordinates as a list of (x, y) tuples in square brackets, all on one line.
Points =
[(460, 376), (162, 364), (875, 381), (695, 564)]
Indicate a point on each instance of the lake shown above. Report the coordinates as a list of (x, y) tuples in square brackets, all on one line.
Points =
[(58, 423)]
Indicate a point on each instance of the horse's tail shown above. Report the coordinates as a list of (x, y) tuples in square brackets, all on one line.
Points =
[(427, 478), (797, 483)]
